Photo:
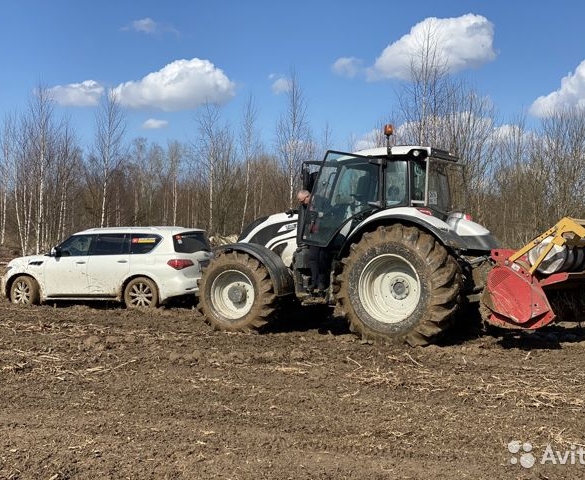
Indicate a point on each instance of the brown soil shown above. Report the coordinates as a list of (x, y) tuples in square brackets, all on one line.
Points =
[(92, 392)]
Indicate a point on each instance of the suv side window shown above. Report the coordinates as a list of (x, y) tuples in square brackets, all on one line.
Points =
[(110, 244), (191, 242), (76, 245), (143, 242)]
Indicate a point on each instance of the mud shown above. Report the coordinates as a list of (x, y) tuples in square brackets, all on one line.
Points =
[(101, 392)]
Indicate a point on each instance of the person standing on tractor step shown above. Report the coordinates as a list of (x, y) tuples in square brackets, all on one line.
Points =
[(317, 256)]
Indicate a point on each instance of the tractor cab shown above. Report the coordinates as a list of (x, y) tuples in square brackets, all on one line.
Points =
[(348, 187)]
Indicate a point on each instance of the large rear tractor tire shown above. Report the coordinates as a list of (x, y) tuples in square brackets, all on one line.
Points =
[(236, 293), (399, 285)]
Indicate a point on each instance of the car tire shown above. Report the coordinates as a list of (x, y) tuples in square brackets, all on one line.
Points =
[(24, 290), (141, 292)]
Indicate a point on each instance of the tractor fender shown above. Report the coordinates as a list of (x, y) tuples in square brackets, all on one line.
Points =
[(436, 227), (281, 276)]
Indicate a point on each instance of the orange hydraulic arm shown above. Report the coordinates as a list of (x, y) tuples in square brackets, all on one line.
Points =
[(568, 231)]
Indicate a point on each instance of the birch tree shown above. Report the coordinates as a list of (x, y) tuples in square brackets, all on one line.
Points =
[(7, 159), (293, 137), (208, 151), (109, 149), (425, 97), (175, 153), (444, 112), (251, 148), (40, 145)]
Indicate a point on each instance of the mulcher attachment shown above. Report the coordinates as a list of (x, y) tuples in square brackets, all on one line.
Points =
[(531, 287)]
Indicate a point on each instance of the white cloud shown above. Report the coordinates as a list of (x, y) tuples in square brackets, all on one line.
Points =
[(180, 85), (146, 25), (570, 94), (461, 43), (84, 94), (366, 141), (154, 124), (280, 84), (506, 131), (149, 26), (347, 66)]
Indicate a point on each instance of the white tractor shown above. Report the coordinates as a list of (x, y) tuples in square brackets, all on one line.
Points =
[(393, 253)]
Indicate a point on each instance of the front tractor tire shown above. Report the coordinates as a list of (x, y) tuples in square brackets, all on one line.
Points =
[(399, 285), (236, 293)]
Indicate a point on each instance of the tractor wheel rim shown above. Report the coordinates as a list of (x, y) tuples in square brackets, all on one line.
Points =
[(232, 294), (389, 288)]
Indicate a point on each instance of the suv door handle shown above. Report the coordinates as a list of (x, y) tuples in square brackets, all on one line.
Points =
[(122, 261)]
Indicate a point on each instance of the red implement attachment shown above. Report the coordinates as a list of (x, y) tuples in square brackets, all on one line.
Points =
[(515, 291)]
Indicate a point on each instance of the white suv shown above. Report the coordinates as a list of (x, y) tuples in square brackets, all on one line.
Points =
[(139, 266)]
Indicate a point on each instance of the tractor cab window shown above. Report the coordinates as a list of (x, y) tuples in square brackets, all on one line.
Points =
[(396, 185), (357, 186), (445, 186), (345, 187), (418, 185)]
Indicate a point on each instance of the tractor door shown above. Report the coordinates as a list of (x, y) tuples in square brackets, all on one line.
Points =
[(346, 186)]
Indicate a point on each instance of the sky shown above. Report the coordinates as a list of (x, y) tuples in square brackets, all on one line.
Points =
[(164, 60)]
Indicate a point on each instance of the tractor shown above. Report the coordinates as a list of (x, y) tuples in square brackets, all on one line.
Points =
[(399, 259)]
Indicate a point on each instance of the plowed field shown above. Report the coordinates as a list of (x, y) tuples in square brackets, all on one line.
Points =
[(90, 392)]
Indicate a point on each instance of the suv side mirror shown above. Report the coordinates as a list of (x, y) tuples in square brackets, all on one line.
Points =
[(55, 252)]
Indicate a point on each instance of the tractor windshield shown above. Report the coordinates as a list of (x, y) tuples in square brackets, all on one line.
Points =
[(347, 185)]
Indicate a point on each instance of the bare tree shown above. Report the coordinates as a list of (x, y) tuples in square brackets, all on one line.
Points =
[(35, 161), (515, 202), (324, 141), (467, 130), (64, 185), (267, 185), (250, 149), (137, 171), (175, 154), (208, 150), (427, 95), (216, 154), (109, 149), (40, 137), (561, 151), (8, 153), (38, 153), (443, 112), (293, 136)]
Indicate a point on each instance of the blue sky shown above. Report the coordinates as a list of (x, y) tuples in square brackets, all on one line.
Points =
[(165, 58)]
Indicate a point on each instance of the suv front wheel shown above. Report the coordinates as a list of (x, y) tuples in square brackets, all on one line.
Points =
[(24, 290), (141, 292)]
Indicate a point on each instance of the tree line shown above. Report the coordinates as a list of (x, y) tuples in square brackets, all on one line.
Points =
[(220, 181), (518, 181)]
